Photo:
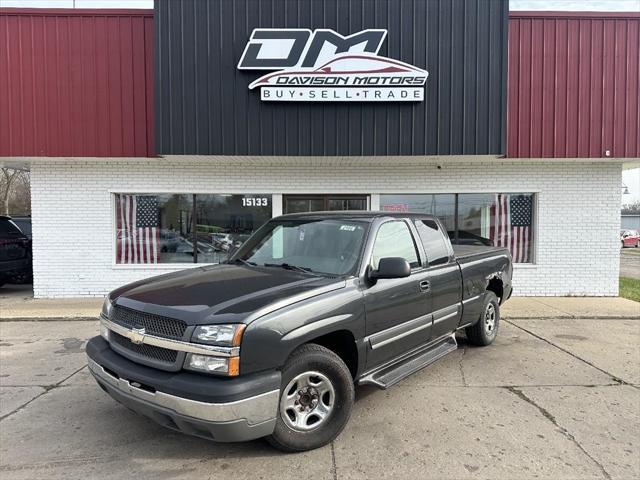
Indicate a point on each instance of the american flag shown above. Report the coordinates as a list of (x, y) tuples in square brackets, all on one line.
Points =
[(511, 227), (138, 229)]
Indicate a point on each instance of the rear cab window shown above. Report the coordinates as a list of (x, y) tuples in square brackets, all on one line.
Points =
[(435, 245)]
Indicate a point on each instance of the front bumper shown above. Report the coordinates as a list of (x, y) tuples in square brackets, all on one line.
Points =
[(224, 410)]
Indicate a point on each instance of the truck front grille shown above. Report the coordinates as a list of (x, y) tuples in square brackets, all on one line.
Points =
[(150, 352), (153, 324)]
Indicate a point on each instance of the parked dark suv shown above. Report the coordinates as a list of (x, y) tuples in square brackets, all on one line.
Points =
[(15, 253)]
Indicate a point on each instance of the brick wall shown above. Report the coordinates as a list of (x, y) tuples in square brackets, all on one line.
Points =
[(578, 203)]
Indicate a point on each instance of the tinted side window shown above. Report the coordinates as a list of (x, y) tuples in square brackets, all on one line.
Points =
[(433, 241), (394, 240)]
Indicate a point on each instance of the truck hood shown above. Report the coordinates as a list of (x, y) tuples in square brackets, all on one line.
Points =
[(221, 293)]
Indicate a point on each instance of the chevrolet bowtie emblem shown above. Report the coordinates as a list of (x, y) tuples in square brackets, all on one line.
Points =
[(136, 335)]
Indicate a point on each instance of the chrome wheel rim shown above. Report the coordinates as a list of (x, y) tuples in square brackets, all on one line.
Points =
[(307, 401), (490, 320)]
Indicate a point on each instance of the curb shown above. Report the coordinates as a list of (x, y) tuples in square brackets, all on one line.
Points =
[(49, 319)]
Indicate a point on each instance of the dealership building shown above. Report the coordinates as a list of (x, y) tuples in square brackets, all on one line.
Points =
[(160, 139)]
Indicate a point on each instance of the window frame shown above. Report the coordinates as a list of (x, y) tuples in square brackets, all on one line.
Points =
[(166, 266)]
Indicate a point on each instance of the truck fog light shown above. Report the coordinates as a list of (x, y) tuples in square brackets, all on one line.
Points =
[(206, 363), (104, 332)]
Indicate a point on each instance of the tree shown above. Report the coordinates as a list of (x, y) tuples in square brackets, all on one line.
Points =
[(631, 209), (15, 196)]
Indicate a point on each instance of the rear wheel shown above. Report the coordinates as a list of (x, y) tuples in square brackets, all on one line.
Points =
[(316, 399), (485, 330)]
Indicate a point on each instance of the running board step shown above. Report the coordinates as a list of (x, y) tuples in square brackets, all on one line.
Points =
[(392, 374)]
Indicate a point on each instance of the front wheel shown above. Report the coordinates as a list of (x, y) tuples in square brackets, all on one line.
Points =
[(485, 330), (316, 399)]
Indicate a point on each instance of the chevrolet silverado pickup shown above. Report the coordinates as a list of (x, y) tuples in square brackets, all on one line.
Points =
[(273, 342)]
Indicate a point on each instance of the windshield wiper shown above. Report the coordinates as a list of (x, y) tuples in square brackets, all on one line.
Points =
[(288, 266), (244, 262)]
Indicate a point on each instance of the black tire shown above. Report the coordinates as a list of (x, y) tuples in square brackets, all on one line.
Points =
[(485, 330), (314, 358)]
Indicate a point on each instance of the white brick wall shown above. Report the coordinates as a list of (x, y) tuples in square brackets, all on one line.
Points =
[(577, 204)]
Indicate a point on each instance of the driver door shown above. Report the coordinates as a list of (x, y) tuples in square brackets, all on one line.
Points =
[(397, 310)]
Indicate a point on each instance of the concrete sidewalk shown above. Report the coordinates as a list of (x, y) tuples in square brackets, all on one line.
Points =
[(22, 307), (570, 307)]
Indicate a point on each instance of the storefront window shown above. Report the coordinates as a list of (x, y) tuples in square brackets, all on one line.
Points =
[(224, 222), (185, 228), (442, 206), (500, 219)]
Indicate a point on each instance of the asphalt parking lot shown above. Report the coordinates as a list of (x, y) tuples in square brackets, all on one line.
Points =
[(550, 399), (630, 263)]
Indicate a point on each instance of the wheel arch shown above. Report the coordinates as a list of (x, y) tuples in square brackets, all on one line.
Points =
[(496, 285)]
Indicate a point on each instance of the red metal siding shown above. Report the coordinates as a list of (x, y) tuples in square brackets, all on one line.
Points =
[(76, 83), (573, 85)]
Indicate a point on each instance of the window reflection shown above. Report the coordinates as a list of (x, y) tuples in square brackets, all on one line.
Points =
[(160, 228), (442, 206), (224, 222), (499, 219)]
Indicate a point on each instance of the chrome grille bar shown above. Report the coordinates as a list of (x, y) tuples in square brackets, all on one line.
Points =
[(141, 338)]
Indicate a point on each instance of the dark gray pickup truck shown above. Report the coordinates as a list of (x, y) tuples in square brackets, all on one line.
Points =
[(271, 343)]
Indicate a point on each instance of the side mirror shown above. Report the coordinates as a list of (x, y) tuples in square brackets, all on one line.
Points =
[(391, 267)]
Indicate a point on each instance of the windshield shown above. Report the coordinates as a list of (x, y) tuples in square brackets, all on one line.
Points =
[(7, 227), (329, 246)]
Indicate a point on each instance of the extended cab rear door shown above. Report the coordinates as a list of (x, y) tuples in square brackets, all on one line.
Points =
[(444, 276)]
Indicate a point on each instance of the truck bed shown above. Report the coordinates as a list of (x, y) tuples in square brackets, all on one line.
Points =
[(477, 264), (468, 252)]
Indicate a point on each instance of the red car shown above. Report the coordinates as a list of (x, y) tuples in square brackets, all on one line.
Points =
[(630, 238)]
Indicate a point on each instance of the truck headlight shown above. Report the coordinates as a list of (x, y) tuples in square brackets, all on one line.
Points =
[(107, 306), (104, 331), (220, 335), (209, 364), (227, 336)]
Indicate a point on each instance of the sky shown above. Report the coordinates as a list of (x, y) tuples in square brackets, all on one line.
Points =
[(630, 178)]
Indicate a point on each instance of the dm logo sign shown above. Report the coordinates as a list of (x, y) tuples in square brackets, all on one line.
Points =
[(324, 66)]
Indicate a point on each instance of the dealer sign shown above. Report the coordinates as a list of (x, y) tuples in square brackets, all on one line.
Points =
[(324, 66)]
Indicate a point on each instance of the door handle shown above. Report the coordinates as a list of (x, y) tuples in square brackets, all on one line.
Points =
[(425, 285)]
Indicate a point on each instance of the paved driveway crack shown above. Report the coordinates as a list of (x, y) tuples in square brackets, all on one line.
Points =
[(334, 468), (546, 414), (464, 380), (47, 389), (616, 379)]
